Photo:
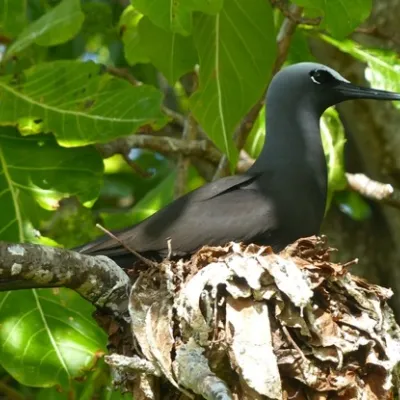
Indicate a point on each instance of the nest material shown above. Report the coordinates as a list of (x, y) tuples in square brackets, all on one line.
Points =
[(240, 322)]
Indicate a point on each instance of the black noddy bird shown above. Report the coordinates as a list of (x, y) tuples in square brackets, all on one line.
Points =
[(279, 200)]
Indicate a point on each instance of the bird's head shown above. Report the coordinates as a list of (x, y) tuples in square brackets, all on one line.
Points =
[(319, 86)]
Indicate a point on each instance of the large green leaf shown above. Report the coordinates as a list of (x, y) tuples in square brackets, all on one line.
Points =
[(175, 16), (340, 17), (48, 336), (13, 17), (171, 53), (237, 51), (77, 102), (383, 70), (36, 167), (333, 140), (57, 26)]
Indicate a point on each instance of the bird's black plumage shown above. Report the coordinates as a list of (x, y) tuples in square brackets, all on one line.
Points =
[(282, 196)]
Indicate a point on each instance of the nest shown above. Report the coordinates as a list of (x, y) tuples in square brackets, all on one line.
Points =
[(240, 322)]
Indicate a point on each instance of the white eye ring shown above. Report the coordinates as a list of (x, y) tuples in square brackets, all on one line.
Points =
[(315, 81)]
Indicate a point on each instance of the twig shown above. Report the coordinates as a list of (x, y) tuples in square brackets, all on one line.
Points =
[(290, 15), (284, 37), (381, 192), (183, 163), (135, 166), (164, 145), (98, 279), (149, 263), (292, 342), (124, 74)]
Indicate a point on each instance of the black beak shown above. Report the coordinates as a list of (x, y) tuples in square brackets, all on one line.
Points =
[(351, 91)]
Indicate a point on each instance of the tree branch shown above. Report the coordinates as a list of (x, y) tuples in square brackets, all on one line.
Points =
[(380, 192), (97, 279), (164, 145)]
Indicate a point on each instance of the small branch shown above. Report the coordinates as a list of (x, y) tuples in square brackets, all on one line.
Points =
[(284, 37), (380, 192), (123, 73), (183, 163), (133, 364), (294, 17), (164, 145), (97, 279), (136, 167)]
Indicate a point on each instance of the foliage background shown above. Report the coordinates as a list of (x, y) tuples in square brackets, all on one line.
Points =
[(78, 78)]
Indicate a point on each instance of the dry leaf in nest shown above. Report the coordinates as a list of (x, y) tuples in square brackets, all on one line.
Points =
[(289, 325)]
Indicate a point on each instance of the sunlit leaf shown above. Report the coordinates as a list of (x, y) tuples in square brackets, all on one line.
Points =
[(340, 17), (57, 26), (255, 141), (13, 17), (333, 140), (38, 167), (237, 51), (128, 26), (171, 53), (48, 337), (383, 71), (77, 102)]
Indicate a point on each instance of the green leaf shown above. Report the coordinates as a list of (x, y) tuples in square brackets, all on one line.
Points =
[(237, 51), (171, 53), (57, 26), (383, 71), (176, 16), (170, 15), (77, 102), (353, 205), (206, 6), (48, 337), (256, 138), (37, 167), (13, 17), (340, 17), (128, 25), (333, 140)]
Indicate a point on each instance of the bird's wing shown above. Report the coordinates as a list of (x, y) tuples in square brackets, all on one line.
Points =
[(225, 210)]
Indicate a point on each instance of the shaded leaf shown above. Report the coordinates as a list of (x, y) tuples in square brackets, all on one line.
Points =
[(13, 17), (171, 53), (48, 336), (77, 102), (383, 71), (57, 26), (153, 201), (353, 205), (340, 17), (333, 140), (237, 51), (38, 168)]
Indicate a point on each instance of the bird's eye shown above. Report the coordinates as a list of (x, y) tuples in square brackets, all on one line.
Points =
[(320, 76)]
